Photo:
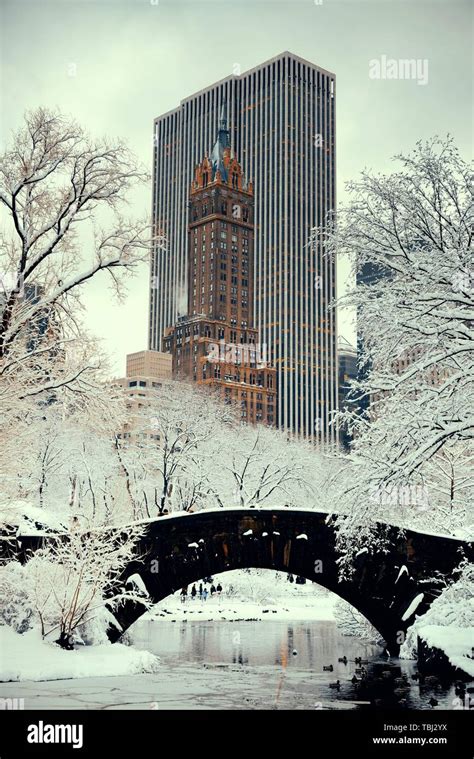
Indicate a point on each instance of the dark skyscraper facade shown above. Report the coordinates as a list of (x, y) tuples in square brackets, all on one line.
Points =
[(347, 370), (281, 118)]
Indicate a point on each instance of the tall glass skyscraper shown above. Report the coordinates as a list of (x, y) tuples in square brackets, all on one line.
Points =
[(282, 128)]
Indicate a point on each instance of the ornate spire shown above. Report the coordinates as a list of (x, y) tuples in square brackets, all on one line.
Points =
[(223, 117), (222, 143)]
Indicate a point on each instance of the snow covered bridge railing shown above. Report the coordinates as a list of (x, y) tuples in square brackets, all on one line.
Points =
[(388, 588)]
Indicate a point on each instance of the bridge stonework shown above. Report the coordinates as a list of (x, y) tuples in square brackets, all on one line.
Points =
[(178, 551)]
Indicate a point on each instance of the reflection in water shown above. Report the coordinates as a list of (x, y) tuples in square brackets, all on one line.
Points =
[(251, 643), (295, 653)]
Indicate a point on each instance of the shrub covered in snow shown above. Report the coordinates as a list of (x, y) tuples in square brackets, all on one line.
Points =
[(16, 609), (64, 587), (352, 622)]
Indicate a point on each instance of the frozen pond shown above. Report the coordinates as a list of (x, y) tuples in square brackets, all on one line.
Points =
[(239, 665)]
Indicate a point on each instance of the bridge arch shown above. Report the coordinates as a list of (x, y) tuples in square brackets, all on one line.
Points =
[(387, 588)]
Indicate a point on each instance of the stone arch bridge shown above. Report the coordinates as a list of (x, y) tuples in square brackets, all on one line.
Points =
[(388, 588)]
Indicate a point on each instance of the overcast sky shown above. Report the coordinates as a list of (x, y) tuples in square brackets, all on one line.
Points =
[(135, 59)]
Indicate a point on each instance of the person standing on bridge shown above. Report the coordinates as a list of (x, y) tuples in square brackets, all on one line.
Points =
[(193, 592), (205, 594), (184, 593), (200, 591)]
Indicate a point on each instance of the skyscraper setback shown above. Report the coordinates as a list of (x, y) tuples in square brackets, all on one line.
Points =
[(281, 118)]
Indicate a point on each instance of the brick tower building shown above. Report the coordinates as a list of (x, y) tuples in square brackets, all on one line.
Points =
[(216, 343)]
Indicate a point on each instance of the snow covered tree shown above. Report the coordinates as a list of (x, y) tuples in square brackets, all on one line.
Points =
[(63, 459), (189, 451), (409, 237), (260, 466), (450, 487), (61, 196), (173, 447)]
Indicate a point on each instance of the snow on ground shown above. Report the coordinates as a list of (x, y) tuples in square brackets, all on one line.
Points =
[(220, 608), (28, 657), (250, 594), (456, 642)]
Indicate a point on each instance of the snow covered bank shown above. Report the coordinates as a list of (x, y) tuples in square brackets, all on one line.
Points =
[(29, 657), (455, 642), (449, 622), (222, 608)]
